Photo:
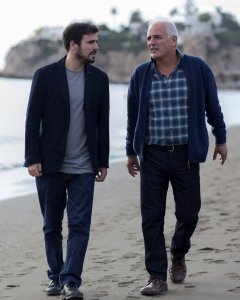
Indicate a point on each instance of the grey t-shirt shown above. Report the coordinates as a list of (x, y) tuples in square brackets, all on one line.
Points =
[(77, 158)]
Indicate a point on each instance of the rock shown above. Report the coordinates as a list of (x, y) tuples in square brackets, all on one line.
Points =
[(23, 59)]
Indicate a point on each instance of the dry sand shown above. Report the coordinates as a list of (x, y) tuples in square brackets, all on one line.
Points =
[(114, 265)]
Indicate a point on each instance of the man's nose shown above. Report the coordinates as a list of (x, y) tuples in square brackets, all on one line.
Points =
[(151, 41)]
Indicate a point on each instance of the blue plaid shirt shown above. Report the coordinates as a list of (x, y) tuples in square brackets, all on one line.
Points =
[(168, 109)]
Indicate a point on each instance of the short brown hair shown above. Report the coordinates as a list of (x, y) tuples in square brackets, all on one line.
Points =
[(75, 31)]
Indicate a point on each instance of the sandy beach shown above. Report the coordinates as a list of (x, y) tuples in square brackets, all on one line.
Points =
[(114, 266)]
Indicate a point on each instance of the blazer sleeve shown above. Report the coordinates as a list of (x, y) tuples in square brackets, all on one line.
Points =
[(33, 120), (103, 124)]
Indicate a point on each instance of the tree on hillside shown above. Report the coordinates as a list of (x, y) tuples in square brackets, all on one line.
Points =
[(114, 15), (136, 17), (204, 17), (228, 21), (228, 32), (174, 12), (190, 8)]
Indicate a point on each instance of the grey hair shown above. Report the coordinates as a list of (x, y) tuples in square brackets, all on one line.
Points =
[(171, 28)]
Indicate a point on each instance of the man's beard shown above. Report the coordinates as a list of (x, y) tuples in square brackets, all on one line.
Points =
[(84, 59)]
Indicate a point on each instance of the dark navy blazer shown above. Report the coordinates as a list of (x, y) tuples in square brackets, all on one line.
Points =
[(48, 117)]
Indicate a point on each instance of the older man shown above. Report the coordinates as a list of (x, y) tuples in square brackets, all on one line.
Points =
[(168, 99)]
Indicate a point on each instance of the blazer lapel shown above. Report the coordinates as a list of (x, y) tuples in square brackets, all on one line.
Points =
[(88, 88), (63, 85), (62, 82)]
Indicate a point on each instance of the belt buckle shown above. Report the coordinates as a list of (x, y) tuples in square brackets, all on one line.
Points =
[(171, 149)]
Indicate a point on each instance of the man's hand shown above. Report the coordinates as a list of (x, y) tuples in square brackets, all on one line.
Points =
[(222, 150), (102, 173), (133, 165), (35, 170)]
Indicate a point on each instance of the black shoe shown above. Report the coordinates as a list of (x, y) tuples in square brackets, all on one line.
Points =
[(70, 292), (53, 288), (154, 287), (178, 270)]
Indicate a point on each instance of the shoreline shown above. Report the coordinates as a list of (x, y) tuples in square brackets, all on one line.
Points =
[(222, 86), (114, 161), (114, 266), (235, 127)]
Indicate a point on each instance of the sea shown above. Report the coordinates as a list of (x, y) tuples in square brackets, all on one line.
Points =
[(14, 94)]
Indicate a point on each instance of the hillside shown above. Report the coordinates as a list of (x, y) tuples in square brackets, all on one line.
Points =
[(23, 59), (213, 38)]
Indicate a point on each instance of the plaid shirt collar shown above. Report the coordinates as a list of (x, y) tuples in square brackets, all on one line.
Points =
[(180, 56)]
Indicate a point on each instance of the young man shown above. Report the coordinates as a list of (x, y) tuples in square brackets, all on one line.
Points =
[(67, 150), (168, 98)]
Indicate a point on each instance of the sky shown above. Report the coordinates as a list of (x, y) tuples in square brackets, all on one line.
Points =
[(20, 18)]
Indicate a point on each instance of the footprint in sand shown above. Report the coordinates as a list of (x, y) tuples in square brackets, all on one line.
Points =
[(218, 261), (236, 289), (10, 286), (237, 245), (232, 275), (205, 228), (223, 250), (125, 283), (138, 243), (196, 274), (129, 255), (236, 239), (103, 261), (133, 297), (208, 249), (224, 214), (208, 259), (100, 293), (134, 268), (112, 278)]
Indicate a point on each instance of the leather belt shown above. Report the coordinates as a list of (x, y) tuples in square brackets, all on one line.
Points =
[(168, 148)]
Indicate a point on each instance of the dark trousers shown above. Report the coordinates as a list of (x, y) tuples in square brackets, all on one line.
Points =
[(158, 168), (75, 193)]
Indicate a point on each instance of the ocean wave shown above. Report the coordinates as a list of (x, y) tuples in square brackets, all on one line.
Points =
[(8, 167), (8, 139)]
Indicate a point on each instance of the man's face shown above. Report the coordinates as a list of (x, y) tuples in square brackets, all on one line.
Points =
[(159, 44), (87, 50)]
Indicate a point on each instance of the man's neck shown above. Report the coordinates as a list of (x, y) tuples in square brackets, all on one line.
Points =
[(167, 65), (73, 64)]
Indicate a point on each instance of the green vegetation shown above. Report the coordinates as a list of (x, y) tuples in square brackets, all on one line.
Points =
[(220, 25), (220, 31), (121, 41), (228, 32)]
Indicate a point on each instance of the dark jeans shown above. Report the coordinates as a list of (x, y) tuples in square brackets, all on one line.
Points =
[(158, 168), (75, 192)]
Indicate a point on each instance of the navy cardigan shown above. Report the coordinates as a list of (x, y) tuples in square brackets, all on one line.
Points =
[(202, 102)]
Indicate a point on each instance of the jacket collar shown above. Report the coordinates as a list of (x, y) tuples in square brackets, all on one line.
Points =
[(63, 84), (179, 54)]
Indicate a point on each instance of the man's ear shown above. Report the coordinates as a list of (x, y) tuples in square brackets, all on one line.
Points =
[(174, 41), (73, 45)]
